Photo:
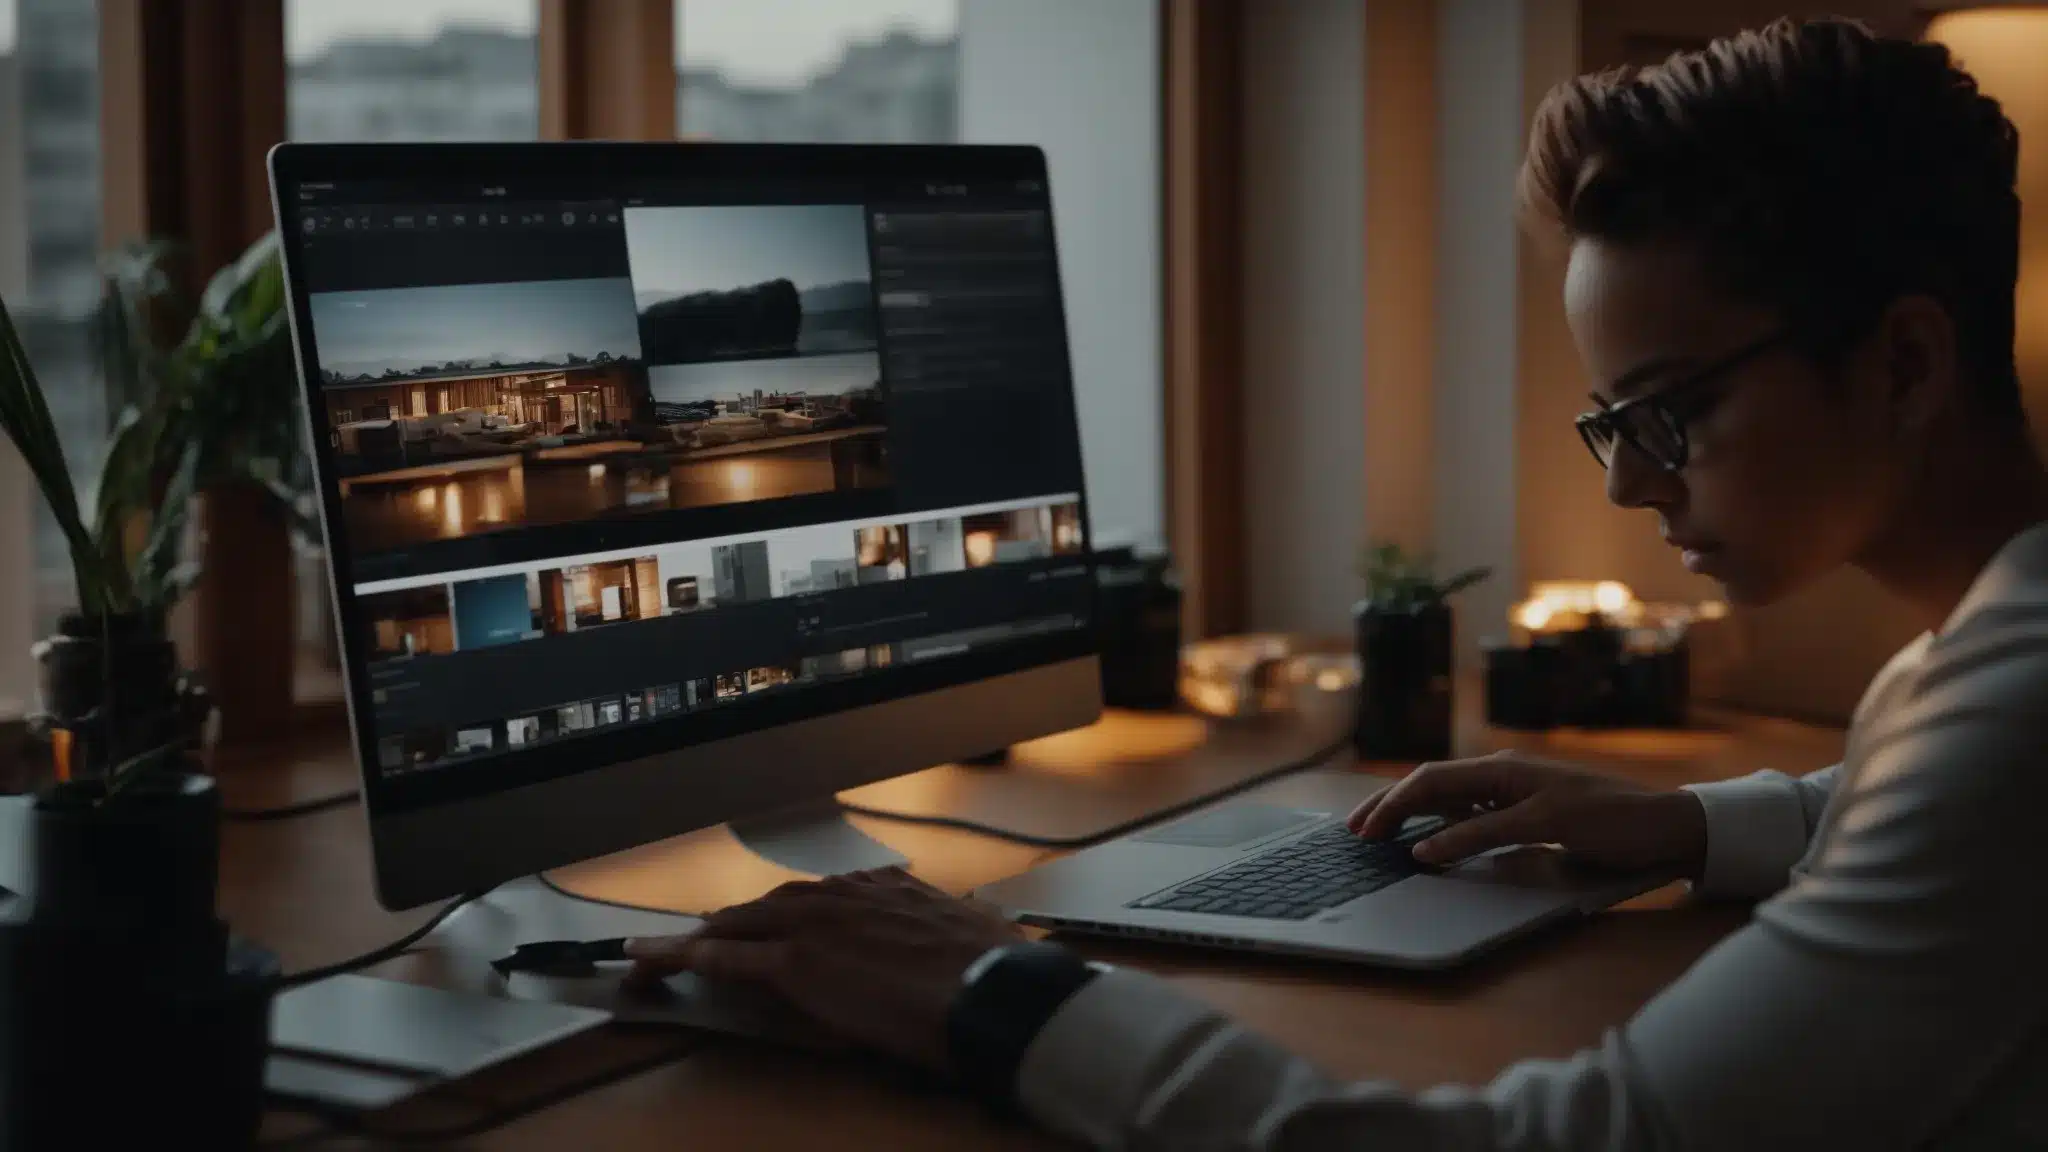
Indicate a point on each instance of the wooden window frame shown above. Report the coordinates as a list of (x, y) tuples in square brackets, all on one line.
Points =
[(1203, 159), (607, 70)]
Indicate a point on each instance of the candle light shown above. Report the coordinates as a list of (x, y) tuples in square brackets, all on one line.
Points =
[(1591, 653)]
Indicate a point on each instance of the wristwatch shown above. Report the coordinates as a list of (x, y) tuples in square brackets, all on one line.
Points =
[(1006, 997)]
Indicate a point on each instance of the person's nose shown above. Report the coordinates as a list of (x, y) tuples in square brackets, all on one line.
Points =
[(1636, 481)]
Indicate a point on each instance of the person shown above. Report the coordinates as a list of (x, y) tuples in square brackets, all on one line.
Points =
[(1791, 270)]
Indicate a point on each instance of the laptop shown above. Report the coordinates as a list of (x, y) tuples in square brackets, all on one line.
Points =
[(1264, 875)]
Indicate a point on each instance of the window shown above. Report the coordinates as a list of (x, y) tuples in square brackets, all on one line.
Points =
[(412, 70), (49, 243), (1080, 78), (870, 71)]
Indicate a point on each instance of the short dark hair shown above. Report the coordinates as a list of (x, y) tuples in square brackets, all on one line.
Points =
[(1821, 171)]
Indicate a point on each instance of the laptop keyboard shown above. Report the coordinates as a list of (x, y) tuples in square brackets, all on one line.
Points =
[(1296, 880)]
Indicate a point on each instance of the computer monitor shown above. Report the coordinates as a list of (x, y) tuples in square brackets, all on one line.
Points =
[(672, 484)]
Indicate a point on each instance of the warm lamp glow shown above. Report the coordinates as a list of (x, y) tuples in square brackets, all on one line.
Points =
[(1611, 596), (1562, 605), (451, 511), (981, 549), (1119, 737), (1712, 610)]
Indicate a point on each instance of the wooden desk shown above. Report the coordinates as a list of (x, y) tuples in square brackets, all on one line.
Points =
[(303, 887)]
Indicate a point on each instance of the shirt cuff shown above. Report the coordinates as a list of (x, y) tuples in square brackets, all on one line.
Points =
[(1756, 832), (1088, 1070)]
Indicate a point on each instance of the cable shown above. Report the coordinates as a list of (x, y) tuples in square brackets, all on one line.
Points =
[(396, 948), (344, 1122), (1148, 819), (293, 810)]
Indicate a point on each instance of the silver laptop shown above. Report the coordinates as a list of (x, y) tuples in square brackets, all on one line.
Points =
[(1279, 877)]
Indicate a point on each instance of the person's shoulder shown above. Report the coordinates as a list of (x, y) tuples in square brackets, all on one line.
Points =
[(1972, 723), (1994, 654)]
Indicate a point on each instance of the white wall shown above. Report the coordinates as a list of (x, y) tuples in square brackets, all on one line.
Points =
[(1081, 79), (1479, 148), (1304, 281)]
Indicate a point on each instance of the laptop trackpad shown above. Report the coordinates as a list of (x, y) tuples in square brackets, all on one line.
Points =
[(1229, 826)]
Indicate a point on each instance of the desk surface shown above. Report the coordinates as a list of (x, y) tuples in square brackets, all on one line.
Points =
[(303, 887)]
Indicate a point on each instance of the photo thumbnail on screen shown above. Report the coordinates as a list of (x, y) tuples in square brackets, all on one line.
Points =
[(759, 329), (737, 362)]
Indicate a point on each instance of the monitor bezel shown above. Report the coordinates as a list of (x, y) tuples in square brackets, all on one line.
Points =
[(903, 720)]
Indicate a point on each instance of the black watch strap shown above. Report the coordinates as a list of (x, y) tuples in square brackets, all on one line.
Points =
[(1005, 1000)]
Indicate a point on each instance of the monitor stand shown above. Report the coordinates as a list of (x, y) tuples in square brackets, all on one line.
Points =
[(704, 870), (815, 839)]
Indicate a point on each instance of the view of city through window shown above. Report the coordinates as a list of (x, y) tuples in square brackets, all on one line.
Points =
[(795, 71), (770, 70), (412, 69), (766, 70), (50, 235)]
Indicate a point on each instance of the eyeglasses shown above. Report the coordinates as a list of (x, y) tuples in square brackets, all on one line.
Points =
[(1655, 423)]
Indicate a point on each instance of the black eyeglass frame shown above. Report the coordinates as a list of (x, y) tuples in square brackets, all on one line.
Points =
[(1665, 404)]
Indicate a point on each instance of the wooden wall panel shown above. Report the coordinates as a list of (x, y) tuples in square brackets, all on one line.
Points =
[(607, 70), (1203, 157)]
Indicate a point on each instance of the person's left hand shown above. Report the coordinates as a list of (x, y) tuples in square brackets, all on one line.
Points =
[(875, 957)]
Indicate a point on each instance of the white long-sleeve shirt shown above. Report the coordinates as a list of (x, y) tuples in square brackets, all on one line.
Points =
[(1892, 994)]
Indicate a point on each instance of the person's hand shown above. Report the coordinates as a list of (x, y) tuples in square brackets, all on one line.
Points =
[(874, 957), (1507, 798)]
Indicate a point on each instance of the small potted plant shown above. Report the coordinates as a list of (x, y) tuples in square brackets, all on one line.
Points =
[(113, 958), (1404, 630)]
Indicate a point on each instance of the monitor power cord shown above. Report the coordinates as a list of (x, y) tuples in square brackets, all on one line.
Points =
[(291, 811), (396, 948)]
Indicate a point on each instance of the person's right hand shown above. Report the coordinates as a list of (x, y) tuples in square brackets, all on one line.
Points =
[(1508, 798)]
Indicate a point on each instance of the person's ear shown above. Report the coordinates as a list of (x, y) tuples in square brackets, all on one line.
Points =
[(1916, 361)]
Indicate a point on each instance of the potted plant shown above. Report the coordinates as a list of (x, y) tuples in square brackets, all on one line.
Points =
[(110, 686), (1404, 630), (224, 390), (122, 848)]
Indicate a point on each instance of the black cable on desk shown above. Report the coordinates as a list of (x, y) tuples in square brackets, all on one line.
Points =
[(389, 951), (291, 811), (1093, 838)]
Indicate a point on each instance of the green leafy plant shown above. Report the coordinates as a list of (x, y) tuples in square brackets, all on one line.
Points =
[(224, 389), (1396, 581), (216, 405), (111, 578)]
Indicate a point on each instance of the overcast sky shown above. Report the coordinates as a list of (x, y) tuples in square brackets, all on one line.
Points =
[(407, 328), (7, 26), (752, 41)]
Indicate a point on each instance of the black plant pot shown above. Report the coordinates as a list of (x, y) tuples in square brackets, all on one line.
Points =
[(127, 1014), (112, 690), (1138, 600), (1404, 691)]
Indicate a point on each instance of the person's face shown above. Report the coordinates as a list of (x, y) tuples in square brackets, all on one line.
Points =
[(1787, 473)]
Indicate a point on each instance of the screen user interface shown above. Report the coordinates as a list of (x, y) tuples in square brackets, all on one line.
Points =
[(649, 465)]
